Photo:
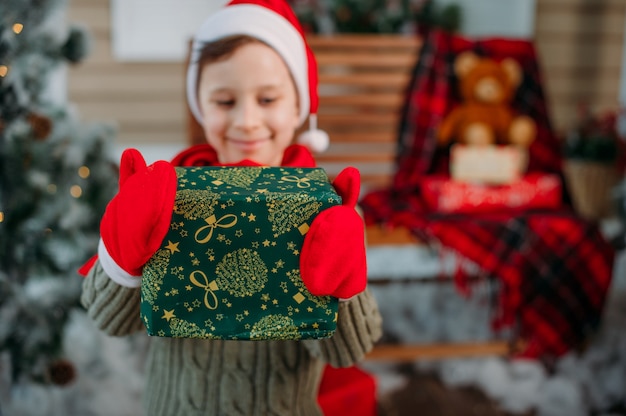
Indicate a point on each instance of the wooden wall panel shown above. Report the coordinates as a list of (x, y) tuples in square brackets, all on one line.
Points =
[(94, 13), (580, 47), (145, 100), (579, 44)]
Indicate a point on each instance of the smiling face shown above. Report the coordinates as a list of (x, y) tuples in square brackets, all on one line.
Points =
[(249, 105)]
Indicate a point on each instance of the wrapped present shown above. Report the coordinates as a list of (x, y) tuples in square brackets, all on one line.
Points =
[(229, 266), (488, 164), (534, 190)]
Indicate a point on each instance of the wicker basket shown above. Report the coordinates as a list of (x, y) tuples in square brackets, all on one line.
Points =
[(590, 185)]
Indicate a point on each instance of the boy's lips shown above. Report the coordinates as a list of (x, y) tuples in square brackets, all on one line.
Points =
[(248, 144)]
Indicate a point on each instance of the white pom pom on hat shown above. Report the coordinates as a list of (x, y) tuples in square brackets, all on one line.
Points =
[(315, 139), (274, 23)]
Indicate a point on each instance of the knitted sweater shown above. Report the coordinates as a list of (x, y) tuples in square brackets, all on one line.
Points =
[(215, 377)]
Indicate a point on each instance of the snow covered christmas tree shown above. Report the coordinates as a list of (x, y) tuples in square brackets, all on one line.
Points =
[(56, 177)]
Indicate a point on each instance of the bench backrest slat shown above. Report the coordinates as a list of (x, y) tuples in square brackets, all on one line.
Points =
[(362, 86)]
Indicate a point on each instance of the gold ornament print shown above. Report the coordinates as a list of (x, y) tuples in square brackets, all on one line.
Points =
[(241, 273), (317, 175), (181, 328), (195, 203), (274, 327), (235, 176), (296, 279), (180, 172), (289, 211), (153, 274)]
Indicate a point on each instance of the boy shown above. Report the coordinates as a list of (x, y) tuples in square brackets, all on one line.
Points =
[(251, 83)]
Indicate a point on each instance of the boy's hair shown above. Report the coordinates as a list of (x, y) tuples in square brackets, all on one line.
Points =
[(220, 50)]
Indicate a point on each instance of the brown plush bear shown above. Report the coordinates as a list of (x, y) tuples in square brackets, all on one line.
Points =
[(486, 117)]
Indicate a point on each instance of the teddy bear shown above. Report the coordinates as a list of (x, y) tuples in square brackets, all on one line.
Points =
[(485, 116)]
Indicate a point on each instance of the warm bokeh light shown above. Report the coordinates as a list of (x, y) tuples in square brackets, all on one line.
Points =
[(17, 28), (1, 216), (84, 172), (76, 191), (4, 70)]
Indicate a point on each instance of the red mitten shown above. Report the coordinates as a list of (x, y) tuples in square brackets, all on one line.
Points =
[(137, 218), (332, 261)]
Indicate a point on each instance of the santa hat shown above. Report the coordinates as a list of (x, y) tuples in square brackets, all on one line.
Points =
[(275, 24)]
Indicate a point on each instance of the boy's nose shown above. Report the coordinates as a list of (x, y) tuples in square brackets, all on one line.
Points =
[(247, 116)]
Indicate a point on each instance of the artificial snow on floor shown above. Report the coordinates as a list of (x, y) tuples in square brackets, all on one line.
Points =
[(110, 370), (580, 383)]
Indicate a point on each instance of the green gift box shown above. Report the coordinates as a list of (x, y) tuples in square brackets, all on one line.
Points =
[(229, 267)]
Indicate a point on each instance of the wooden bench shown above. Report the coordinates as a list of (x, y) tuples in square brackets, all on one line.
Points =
[(362, 81), (362, 86)]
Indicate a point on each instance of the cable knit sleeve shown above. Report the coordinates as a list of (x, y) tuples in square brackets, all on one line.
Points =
[(359, 326), (114, 308)]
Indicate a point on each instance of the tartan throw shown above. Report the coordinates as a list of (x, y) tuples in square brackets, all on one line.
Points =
[(552, 269)]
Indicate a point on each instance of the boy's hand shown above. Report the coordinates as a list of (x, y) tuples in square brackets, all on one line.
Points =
[(333, 261), (137, 218)]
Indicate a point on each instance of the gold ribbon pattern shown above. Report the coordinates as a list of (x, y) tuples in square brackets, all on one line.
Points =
[(300, 182), (209, 288), (214, 223)]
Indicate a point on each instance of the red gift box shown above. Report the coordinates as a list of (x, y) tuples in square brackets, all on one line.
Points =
[(535, 190), (347, 391)]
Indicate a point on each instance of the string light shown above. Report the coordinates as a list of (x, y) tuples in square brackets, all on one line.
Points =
[(84, 172), (76, 191), (17, 29)]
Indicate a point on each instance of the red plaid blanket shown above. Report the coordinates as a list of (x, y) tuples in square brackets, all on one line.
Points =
[(552, 269)]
